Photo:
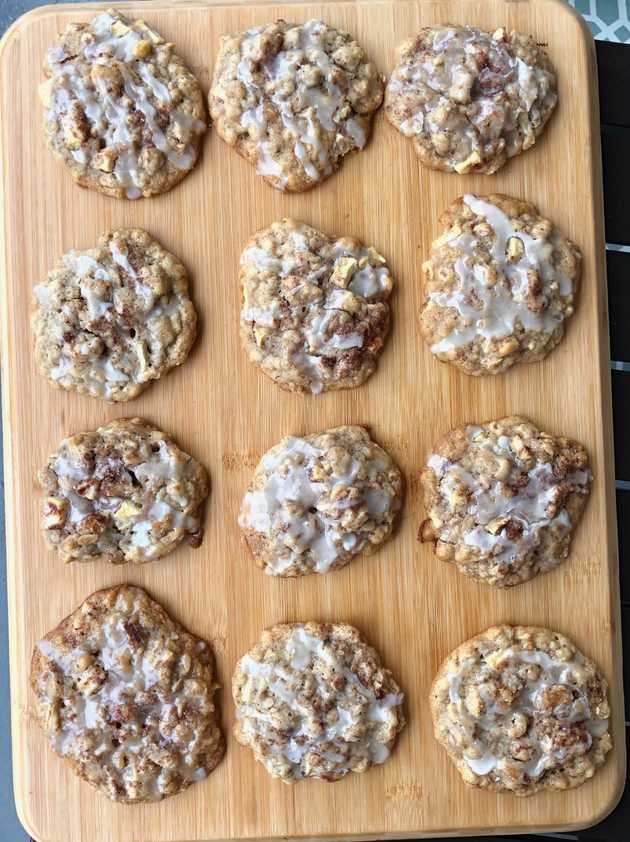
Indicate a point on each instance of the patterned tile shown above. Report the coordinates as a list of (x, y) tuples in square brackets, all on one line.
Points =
[(609, 19)]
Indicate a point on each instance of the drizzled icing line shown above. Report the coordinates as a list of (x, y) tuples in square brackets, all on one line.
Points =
[(494, 309), (535, 506), (317, 512), (111, 81), (323, 720)]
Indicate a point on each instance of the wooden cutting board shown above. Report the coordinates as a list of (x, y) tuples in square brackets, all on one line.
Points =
[(225, 412)]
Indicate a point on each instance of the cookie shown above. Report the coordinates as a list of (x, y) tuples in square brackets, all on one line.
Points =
[(315, 314), (521, 710), (498, 286), (124, 492), (294, 99), (124, 695), (110, 320), (312, 701), (316, 502), (470, 99), (502, 499), (121, 109)]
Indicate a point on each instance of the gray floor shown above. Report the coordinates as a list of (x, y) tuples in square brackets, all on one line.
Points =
[(10, 10), (10, 827)]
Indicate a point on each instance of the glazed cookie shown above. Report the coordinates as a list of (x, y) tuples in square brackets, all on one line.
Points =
[(315, 314), (499, 285), (123, 493), (111, 319), (318, 501), (121, 109), (124, 694), (294, 99), (502, 499), (312, 701), (521, 710), (468, 99)]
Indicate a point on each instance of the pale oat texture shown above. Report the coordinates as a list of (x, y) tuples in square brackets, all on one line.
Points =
[(312, 701), (521, 710), (124, 695), (503, 498), (124, 492), (294, 99), (315, 312), (110, 320), (121, 109), (470, 99), (499, 284), (317, 501)]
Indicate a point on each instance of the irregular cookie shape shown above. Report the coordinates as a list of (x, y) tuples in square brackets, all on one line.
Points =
[(122, 110), (312, 701), (468, 99), (315, 313), (112, 319), (318, 501), (294, 99), (499, 285), (520, 709), (124, 694), (502, 499), (123, 493)]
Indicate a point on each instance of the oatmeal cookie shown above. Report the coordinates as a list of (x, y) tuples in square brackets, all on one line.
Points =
[(110, 320), (318, 501), (124, 695), (124, 492), (521, 710), (499, 285), (502, 499), (470, 99), (315, 314), (312, 701), (294, 99), (121, 109)]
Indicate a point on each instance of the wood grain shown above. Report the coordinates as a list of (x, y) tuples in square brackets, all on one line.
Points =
[(219, 408)]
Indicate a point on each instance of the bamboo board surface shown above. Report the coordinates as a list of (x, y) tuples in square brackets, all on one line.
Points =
[(226, 413)]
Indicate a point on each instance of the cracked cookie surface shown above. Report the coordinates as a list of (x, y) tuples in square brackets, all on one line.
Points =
[(470, 99), (121, 109), (312, 700), (316, 502), (503, 498), (521, 710), (294, 99), (123, 493), (125, 696), (112, 319), (314, 314), (499, 285)]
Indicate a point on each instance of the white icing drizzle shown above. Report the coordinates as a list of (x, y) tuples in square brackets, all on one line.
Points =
[(137, 526), (492, 726), (319, 317), (110, 114), (352, 728), (303, 518), (320, 102), (469, 86), (105, 674), (534, 505), (492, 311), (110, 354)]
